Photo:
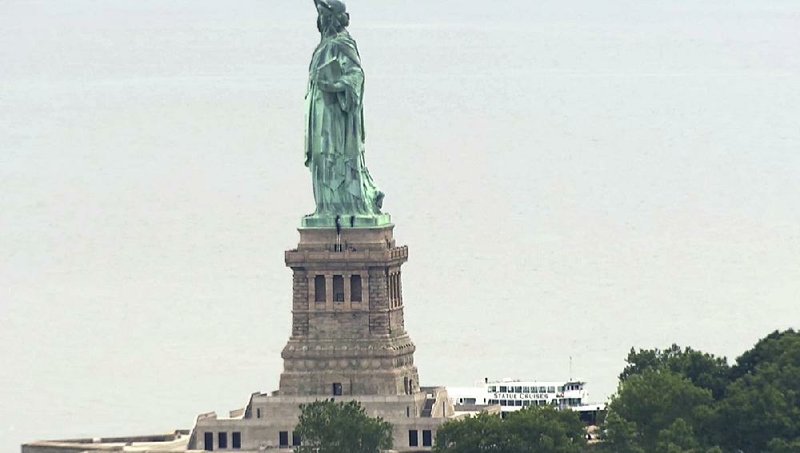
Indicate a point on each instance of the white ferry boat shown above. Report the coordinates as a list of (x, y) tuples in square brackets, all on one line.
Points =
[(512, 395)]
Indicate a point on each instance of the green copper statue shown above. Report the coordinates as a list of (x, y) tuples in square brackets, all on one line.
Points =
[(344, 192)]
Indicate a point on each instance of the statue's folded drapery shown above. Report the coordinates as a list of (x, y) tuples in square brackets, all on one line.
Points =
[(334, 150)]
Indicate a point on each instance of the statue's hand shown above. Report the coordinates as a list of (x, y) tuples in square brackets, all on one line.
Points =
[(331, 87)]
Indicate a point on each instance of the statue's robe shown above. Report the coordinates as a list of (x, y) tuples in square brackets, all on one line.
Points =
[(334, 150)]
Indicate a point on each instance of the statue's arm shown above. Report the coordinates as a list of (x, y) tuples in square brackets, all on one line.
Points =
[(331, 87), (343, 77)]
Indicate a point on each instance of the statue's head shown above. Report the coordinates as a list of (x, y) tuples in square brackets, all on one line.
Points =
[(333, 16)]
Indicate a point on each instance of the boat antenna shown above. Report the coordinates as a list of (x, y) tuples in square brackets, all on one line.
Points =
[(570, 368)]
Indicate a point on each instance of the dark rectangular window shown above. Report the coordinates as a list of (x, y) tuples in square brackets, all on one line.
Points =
[(295, 439), (258, 412), (391, 288), (355, 288), (208, 441), (236, 440), (502, 389), (338, 288), (283, 438), (319, 288), (427, 439), (222, 440), (413, 438), (337, 388)]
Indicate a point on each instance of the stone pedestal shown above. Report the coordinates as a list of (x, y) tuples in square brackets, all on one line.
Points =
[(348, 342), (348, 334)]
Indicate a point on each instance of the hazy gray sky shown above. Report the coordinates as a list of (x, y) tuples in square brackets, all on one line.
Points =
[(573, 178)]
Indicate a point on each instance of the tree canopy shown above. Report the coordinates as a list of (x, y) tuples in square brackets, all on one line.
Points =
[(762, 406), (537, 429), (703, 370), (336, 427), (683, 400)]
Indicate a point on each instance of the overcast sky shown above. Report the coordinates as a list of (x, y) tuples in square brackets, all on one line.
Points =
[(573, 178)]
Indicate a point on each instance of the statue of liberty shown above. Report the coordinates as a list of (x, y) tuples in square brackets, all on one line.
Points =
[(344, 191)]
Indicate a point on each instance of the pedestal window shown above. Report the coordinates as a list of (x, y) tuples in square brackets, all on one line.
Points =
[(355, 288), (319, 288), (413, 438), (338, 288), (427, 438)]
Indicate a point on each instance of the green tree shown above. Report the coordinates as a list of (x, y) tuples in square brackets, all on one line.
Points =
[(782, 446), (620, 435), (704, 370), (761, 409), (482, 433), (545, 429), (678, 438), (767, 350), (336, 427), (534, 429), (650, 402), (664, 403)]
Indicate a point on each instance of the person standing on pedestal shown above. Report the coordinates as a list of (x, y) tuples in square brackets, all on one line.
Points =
[(334, 150)]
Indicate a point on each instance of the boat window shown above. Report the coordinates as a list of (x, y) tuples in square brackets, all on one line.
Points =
[(526, 389), (502, 389), (517, 389), (517, 403), (492, 388), (526, 403), (551, 389), (542, 389), (503, 402)]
